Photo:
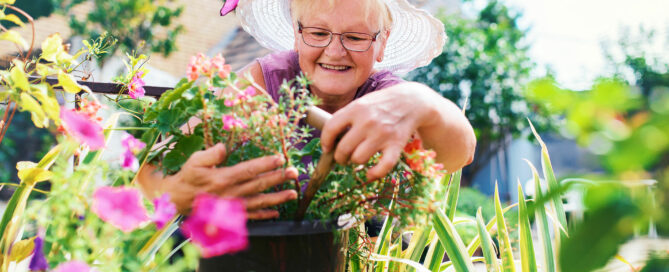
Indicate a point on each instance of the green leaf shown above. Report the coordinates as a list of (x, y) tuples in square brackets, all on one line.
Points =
[(603, 229), (18, 76), (453, 193), (28, 103), (471, 248), (553, 185), (527, 258), (452, 242), (542, 224), (173, 160), (14, 19), (417, 244), (487, 245), (52, 48), (68, 83), (505, 250), (15, 37), (189, 145)]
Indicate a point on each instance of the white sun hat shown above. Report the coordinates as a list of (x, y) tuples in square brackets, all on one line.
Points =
[(416, 37)]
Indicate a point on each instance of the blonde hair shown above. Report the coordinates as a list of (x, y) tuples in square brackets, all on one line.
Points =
[(385, 19)]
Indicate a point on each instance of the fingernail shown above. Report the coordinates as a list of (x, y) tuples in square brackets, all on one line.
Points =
[(280, 160)]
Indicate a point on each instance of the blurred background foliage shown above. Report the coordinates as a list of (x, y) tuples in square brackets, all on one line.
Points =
[(142, 26), (485, 61), (625, 120)]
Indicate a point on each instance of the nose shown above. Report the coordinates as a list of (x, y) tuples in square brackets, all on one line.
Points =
[(335, 48)]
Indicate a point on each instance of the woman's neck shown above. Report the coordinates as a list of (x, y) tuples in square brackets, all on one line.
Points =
[(332, 103)]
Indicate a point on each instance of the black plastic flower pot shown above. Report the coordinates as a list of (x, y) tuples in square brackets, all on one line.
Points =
[(286, 246)]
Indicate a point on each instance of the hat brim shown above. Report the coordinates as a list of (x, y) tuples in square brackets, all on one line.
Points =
[(416, 37)]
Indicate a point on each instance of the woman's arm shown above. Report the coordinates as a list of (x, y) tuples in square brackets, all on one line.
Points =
[(383, 121)]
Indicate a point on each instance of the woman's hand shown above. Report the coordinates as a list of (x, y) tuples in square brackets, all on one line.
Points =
[(245, 180), (383, 121)]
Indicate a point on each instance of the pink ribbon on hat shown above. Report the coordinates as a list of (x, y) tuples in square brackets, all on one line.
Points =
[(229, 6)]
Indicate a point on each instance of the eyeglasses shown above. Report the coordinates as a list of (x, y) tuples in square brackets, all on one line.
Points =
[(353, 41)]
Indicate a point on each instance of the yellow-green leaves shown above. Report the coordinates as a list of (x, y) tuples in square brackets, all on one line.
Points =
[(47, 99), (18, 76), (527, 258), (29, 171), (8, 2), (68, 83), (22, 249), (12, 18), (28, 103), (15, 37), (487, 245), (54, 51), (505, 250)]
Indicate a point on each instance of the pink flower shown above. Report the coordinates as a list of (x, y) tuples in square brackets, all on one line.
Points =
[(216, 225), (230, 122), (195, 66), (165, 210), (82, 128), (131, 147), (229, 102), (120, 206), (219, 63), (229, 6), (73, 266), (247, 93), (136, 86)]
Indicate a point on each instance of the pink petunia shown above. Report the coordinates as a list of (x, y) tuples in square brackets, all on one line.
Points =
[(82, 128), (131, 147), (136, 86), (229, 6), (73, 266), (165, 210), (216, 225), (120, 206)]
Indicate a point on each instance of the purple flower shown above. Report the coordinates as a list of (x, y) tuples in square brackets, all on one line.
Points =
[(132, 146), (136, 86), (38, 261), (120, 206), (165, 210), (216, 225), (82, 128), (73, 266), (229, 6)]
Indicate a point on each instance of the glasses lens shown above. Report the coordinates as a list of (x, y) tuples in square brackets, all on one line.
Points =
[(356, 41), (316, 36)]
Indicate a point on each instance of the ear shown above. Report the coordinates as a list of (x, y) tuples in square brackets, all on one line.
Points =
[(382, 45)]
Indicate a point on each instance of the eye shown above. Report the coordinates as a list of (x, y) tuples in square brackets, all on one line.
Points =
[(319, 33), (356, 37)]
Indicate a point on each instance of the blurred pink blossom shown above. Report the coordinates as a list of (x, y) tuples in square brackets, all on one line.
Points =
[(136, 86), (165, 210), (131, 146), (120, 206), (85, 130), (73, 266), (230, 122), (219, 63), (247, 93), (217, 225)]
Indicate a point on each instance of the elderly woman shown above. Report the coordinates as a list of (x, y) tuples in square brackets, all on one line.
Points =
[(348, 49)]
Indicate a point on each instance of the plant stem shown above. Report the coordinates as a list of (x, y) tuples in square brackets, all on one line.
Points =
[(32, 24)]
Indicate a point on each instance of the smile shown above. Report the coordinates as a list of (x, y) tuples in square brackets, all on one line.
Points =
[(335, 67)]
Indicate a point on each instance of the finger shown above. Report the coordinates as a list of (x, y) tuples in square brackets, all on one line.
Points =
[(250, 169), (388, 160), (333, 128), (364, 152), (207, 158), (262, 182), (348, 144), (262, 201), (262, 214)]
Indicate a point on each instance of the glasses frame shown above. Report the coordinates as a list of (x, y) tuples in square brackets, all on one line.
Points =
[(300, 27)]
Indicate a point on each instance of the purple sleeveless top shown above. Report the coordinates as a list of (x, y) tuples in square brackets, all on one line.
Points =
[(284, 66)]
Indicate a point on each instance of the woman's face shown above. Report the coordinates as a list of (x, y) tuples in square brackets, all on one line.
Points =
[(334, 70)]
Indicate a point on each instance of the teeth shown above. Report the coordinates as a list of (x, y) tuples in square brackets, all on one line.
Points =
[(334, 67)]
